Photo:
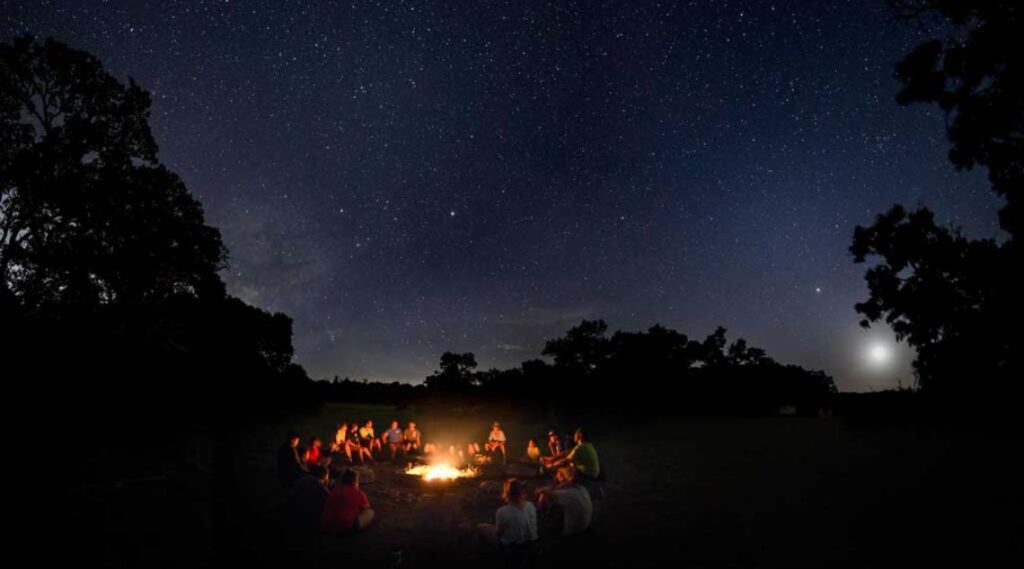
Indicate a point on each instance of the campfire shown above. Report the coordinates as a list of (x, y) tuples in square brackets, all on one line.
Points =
[(441, 471)]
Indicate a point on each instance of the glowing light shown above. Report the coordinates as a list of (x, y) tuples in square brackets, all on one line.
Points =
[(879, 354), (441, 471)]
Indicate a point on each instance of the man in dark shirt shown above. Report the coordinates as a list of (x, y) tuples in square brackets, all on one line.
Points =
[(289, 466)]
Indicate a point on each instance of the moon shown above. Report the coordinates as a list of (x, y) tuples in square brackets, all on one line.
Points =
[(879, 354)]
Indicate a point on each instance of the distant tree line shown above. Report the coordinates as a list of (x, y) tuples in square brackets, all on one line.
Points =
[(657, 369), (110, 293)]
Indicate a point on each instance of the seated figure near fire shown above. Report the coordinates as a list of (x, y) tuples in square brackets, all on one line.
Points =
[(369, 439), (496, 440), (411, 438), (515, 524), (394, 438), (568, 503), (347, 509)]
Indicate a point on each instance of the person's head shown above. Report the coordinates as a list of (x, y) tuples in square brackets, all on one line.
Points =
[(315, 442), (412, 425), (369, 424), (320, 472), (578, 435), (342, 426), (531, 443), (293, 439), (354, 426), (495, 426), (565, 475), (552, 436), (350, 478), (513, 491), (394, 424)]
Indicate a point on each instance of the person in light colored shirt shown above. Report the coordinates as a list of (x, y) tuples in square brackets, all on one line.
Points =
[(496, 440), (571, 499), (515, 523)]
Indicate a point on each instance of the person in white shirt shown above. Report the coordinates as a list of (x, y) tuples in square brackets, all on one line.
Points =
[(515, 523), (496, 441), (577, 509)]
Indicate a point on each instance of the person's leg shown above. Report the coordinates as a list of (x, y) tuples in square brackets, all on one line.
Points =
[(364, 519)]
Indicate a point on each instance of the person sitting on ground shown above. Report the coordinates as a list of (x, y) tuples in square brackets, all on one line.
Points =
[(472, 449), (355, 444), (583, 457), (290, 467), (571, 499), (340, 445), (313, 454), (369, 439), (306, 499), (515, 524), (347, 509), (554, 444), (496, 440), (411, 438), (532, 451), (393, 437)]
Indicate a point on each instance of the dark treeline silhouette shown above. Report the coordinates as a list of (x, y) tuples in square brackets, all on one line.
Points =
[(958, 301), (110, 295), (366, 391), (657, 369)]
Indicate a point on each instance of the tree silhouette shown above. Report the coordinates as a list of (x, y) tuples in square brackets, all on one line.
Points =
[(455, 374), (958, 301), (976, 76), (108, 269), (945, 295), (583, 348), (88, 216)]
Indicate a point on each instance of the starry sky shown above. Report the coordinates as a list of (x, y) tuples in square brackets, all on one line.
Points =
[(406, 178)]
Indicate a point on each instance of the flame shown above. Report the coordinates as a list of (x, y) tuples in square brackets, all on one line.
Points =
[(441, 471)]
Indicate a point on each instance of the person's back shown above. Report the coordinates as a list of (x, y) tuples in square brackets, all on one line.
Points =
[(289, 465), (306, 500), (577, 508), (516, 526), (347, 508)]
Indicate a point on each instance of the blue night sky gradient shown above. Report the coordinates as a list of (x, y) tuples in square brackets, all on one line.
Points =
[(405, 178)]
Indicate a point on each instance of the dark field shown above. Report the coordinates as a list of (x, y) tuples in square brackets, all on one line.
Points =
[(782, 491)]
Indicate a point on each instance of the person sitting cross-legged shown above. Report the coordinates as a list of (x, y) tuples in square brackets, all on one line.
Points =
[(514, 531), (583, 457), (569, 501), (496, 440), (393, 438), (347, 509), (411, 438)]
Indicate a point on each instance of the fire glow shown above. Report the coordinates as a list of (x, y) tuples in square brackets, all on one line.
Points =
[(441, 471)]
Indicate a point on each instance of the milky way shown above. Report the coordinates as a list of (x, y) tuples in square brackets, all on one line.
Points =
[(405, 178)]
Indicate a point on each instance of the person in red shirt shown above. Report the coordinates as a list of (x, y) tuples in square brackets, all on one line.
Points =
[(313, 452), (347, 509)]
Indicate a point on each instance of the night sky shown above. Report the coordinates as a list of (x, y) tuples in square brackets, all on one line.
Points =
[(405, 178)]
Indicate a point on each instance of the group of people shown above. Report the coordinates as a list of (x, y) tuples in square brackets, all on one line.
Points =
[(362, 441), (312, 504), (306, 474), (344, 508), (566, 508)]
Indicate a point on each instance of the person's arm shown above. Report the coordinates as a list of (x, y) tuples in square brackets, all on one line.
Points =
[(499, 524)]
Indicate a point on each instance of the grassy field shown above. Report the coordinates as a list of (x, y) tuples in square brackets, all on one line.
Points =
[(777, 491)]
